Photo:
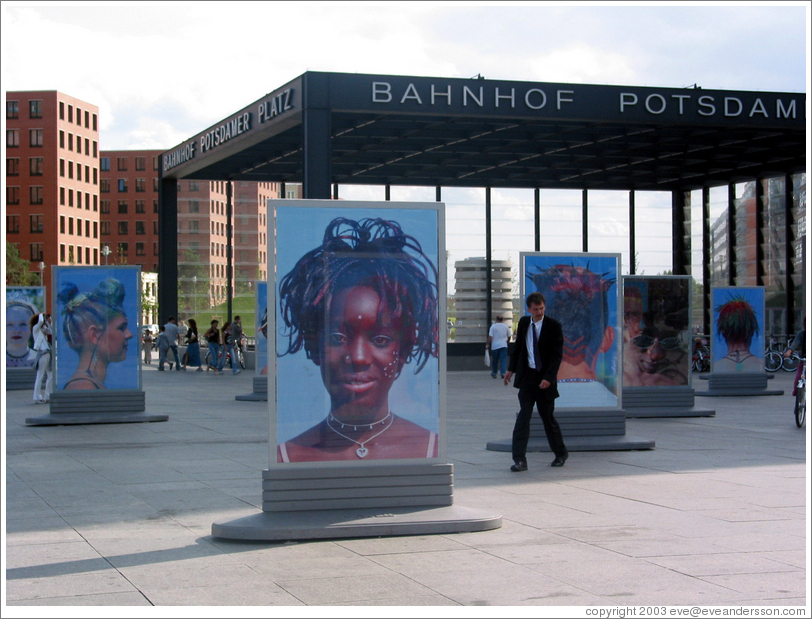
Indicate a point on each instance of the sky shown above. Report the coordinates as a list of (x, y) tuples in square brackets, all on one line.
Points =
[(161, 72)]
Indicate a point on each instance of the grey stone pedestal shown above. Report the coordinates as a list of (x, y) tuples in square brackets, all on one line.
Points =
[(259, 393), (739, 385), (583, 430), (20, 379), (105, 406), (371, 501), (662, 401)]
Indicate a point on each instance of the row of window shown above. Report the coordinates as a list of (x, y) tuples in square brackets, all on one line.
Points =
[(34, 166), (121, 164), (13, 138), (123, 185), (62, 168), (69, 144), (124, 228), (124, 206), (36, 195), (88, 116)]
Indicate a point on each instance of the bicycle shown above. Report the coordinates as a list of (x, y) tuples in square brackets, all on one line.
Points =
[(773, 357), (790, 364), (800, 396), (237, 353), (700, 361)]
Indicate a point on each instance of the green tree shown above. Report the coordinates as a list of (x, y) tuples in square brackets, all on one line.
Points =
[(17, 273)]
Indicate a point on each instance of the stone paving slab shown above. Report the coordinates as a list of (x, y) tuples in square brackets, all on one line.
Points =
[(121, 514)]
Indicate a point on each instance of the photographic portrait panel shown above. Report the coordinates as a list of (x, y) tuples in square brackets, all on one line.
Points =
[(96, 315), (656, 331), (356, 307), (261, 329), (582, 293), (737, 345), (22, 302)]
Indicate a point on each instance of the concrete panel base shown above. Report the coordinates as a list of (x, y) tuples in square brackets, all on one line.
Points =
[(259, 393), (73, 419), (360, 501), (739, 385), (20, 379), (105, 406), (663, 401), (354, 523), (580, 443)]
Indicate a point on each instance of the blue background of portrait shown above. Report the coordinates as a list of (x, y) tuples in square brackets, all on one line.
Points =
[(261, 304), (607, 367), (302, 399), (755, 297), (121, 375)]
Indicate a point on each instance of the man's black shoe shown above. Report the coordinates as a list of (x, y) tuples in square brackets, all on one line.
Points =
[(559, 460), (519, 466)]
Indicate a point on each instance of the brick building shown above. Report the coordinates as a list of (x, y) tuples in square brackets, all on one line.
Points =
[(52, 179)]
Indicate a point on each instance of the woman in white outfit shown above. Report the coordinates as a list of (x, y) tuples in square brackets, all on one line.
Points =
[(41, 329)]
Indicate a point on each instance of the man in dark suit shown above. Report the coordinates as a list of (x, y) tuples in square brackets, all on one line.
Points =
[(535, 361)]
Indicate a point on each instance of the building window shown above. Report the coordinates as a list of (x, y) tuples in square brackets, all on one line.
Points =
[(123, 228), (194, 206), (35, 166), (94, 123), (95, 229), (121, 162), (95, 148), (36, 223), (155, 249), (79, 144), (62, 196), (122, 207), (140, 163), (12, 109), (87, 120), (87, 228), (105, 228), (12, 195), (104, 185), (140, 227), (61, 224), (194, 226), (79, 116), (62, 168), (61, 139), (156, 163), (70, 197), (62, 113), (155, 206), (122, 185), (70, 113), (78, 171), (35, 137), (70, 254), (36, 252), (105, 164), (87, 146), (35, 109), (123, 249), (95, 176), (70, 141), (70, 225), (35, 193), (140, 250), (140, 206), (155, 185), (140, 184), (70, 169), (105, 207), (12, 138), (193, 186), (13, 166), (13, 224), (95, 203)]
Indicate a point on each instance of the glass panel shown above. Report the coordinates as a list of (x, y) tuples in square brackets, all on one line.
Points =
[(653, 242), (608, 224), (560, 220), (744, 205)]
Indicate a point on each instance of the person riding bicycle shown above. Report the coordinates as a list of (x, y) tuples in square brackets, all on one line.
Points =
[(797, 345)]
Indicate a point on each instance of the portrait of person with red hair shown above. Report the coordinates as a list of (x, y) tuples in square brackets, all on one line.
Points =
[(738, 344)]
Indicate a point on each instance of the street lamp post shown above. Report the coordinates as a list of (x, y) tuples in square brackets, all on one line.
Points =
[(194, 296), (106, 251), (41, 268)]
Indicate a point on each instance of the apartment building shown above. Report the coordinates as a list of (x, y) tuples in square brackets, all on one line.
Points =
[(52, 179)]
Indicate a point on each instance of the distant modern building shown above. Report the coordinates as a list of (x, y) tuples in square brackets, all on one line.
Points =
[(52, 179)]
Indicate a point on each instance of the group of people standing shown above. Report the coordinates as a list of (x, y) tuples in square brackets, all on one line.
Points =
[(221, 343)]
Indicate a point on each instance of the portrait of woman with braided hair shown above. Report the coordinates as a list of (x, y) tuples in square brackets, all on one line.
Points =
[(363, 308), (94, 323)]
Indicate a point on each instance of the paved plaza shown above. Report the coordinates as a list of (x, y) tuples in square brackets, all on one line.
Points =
[(121, 514)]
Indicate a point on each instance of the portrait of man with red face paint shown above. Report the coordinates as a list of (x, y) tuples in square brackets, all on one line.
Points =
[(363, 308), (581, 293)]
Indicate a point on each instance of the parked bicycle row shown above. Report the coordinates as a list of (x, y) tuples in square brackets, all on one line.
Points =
[(777, 356)]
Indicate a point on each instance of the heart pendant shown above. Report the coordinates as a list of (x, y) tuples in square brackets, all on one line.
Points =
[(362, 452)]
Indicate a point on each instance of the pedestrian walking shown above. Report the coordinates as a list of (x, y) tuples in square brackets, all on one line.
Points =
[(146, 342)]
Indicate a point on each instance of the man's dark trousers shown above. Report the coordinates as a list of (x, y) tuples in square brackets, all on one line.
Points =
[(531, 394)]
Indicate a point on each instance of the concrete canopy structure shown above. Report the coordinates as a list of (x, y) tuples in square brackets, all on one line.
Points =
[(325, 129)]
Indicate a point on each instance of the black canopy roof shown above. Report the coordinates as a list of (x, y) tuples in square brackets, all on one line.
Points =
[(377, 129)]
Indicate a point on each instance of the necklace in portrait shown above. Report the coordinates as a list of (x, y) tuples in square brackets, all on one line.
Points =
[(362, 451)]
